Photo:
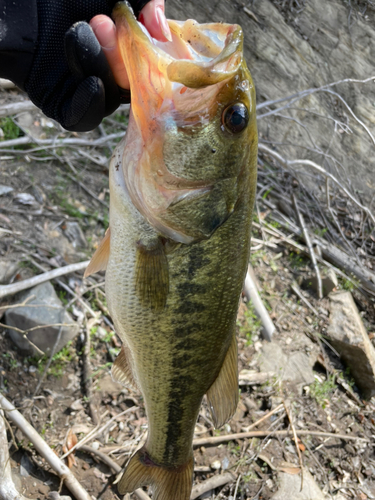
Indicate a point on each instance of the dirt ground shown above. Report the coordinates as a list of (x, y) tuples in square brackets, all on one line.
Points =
[(69, 184)]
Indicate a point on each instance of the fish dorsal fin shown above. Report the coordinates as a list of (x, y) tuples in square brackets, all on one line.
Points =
[(122, 371), (152, 275), (100, 258), (222, 396)]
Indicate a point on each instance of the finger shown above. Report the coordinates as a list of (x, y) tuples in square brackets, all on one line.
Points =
[(153, 18), (86, 109), (86, 58), (105, 32)]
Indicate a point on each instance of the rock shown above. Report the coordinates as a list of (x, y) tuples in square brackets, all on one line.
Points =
[(75, 235), (28, 317), (7, 270), (290, 486), (295, 367), (5, 189), (329, 282), (25, 199), (349, 337)]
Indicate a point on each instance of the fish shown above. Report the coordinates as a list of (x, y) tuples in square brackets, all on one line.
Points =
[(182, 189)]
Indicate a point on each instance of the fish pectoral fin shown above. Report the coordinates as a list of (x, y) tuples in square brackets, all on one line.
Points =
[(172, 483), (152, 274), (223, 395), (122, 371), (100, 258)]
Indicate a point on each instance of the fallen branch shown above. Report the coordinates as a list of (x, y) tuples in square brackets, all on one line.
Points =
[(289, 414), (97, 431), (8, 491), (244, 435), (251, 293), (267, 415), (211, 484), (44, 450), (58, 143), (309, 246), (315, 166), (294, 286), (6, 290), (16, 107)]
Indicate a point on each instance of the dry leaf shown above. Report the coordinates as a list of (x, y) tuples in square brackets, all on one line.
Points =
[(290, 470)]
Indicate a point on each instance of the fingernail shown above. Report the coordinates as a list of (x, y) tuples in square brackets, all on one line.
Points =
[(106, 35), (163, 24)]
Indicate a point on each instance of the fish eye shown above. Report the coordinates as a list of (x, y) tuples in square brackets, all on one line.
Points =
[(235, 117)]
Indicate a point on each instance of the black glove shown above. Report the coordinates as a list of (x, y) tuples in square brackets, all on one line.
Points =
[(69, 77)]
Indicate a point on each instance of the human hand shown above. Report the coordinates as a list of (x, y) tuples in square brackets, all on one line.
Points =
[(70, 78), (151, 16)]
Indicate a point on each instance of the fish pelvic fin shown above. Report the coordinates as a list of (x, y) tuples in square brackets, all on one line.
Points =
[(100, 258), (167, 483), (223, 394), (122, 371), (152, 274)]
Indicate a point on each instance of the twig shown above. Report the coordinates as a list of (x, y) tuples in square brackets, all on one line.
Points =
[(87, 380), (53, 351), (309, 245), (245, 435), (8, 490), (17, 107), (236, 489), (58, 143), (286, 406), (315, 166), (298, 292), (269, 414), (251, 293), (303, 93), (211, 484), (6, 290), (45, 451), (96, 432)]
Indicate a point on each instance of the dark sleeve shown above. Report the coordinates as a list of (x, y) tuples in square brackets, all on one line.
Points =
[(18, 35)]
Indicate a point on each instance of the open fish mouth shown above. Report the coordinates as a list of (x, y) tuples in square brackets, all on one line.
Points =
[(178, 88)]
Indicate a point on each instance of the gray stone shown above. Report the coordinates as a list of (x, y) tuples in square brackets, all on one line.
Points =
[(290, 487), (75, 235), (7, 270), (349, 337), (5, 189), (50, 312), (295, 367)]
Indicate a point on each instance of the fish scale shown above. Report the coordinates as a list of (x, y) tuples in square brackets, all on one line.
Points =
[(182, 187)]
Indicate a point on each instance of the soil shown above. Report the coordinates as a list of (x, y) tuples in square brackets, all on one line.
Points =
[(59, 180)]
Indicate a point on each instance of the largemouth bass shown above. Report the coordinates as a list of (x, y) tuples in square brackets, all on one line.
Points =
[(182, 186)]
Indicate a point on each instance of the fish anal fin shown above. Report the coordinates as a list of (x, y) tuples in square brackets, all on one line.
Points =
[(223, 394), (122, 371), (152, 274), (100, 258), (168, 483)]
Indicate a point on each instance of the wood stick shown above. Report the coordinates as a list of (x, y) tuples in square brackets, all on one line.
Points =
[(294, 286), (289, 414), (6, 290), (309, 246), (8, 491), (17, 107), (244, 435), (57, 143), (251, 293), (211, 484), (44, 450)]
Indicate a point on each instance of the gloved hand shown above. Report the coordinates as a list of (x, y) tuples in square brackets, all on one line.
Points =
[(70, 78)]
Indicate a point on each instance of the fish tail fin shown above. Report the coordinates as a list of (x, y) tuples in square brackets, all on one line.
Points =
[(167, 483)]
